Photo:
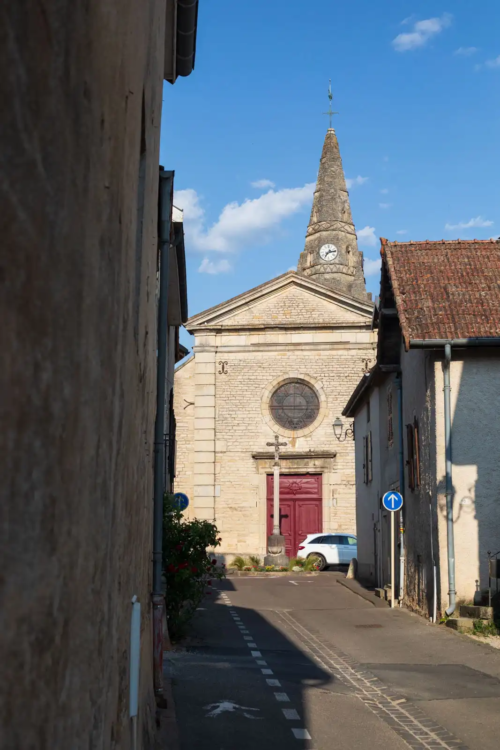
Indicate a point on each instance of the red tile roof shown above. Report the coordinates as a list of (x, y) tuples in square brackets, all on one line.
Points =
[(445, 289)]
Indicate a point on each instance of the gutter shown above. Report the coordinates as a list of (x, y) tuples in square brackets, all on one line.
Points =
[(399, 386), (439, 343), (449, 492)]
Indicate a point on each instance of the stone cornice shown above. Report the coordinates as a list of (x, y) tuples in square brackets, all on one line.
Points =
[(267, 455)]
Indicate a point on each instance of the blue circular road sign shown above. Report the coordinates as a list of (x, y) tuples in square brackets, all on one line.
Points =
[(392, 501), (181, 501)]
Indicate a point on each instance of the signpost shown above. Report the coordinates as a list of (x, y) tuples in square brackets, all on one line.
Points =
[(392, 501), (181, 501)]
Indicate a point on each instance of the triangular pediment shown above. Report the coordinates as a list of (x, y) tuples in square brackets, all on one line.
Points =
[(289, 300)]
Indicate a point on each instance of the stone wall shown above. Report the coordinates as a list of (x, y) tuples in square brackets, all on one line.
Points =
[(83, 83), (231, 378)]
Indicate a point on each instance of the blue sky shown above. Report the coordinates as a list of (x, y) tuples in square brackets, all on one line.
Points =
[(417, 86)]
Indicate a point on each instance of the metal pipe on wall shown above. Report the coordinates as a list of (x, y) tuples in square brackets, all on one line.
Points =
[(399, 385), (449, 490)]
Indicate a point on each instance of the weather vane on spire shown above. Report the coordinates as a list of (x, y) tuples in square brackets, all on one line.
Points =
[(330, 97)]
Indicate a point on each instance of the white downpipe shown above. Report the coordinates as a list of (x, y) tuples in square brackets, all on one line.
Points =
[(135, 660)]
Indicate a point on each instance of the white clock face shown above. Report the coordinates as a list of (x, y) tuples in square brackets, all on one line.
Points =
[(328, 253)]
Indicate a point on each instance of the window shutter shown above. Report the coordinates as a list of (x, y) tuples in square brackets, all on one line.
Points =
[(370, 457), (416, 448), (411, 460)]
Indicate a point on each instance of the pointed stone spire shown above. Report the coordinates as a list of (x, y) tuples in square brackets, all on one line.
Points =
[(331, 256)]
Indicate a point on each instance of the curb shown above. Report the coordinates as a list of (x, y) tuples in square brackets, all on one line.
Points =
[(360, 590), (167, 737), (270, 573)]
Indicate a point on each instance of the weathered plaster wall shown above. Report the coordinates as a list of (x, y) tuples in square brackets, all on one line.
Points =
[(421, 525), (368, 494), (78, 340), (475, 401)]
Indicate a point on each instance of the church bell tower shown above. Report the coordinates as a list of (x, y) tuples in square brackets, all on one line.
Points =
[(331, 256)]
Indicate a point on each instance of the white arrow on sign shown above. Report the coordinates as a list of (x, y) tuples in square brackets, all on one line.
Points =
[(393, 498), (216, 709)]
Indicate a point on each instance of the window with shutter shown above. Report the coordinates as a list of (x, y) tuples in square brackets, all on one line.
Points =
[(369, 457), (390, 431), (416, 452), (411, 456), (365, 463)]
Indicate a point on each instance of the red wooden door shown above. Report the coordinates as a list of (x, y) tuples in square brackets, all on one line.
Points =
[(300, 508)]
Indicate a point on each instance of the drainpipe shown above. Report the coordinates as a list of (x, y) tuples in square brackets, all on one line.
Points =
[(399, 386), (165, 218), (449, 495)]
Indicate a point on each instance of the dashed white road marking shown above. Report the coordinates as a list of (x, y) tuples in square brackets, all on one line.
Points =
[(247, 637), (273, 683), (261, 663), (282, 697), (290, 714), (294, 583), (251, 644), (267, 671), (301, 734), (256, 653)]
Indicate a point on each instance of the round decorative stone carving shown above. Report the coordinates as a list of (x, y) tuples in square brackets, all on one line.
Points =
[(294, 405)]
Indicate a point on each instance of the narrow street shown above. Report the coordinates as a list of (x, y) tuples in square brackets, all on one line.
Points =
[(275, 663)]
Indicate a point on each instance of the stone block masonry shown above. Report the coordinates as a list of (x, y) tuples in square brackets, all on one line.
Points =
[(218, 436)]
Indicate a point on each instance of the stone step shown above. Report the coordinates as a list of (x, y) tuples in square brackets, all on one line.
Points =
[(461, 624), (476, 612), (380, 593)]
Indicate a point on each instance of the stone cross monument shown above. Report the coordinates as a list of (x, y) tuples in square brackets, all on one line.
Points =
[(276, 542)]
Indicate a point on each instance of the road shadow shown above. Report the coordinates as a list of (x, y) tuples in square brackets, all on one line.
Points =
[(239, 682)]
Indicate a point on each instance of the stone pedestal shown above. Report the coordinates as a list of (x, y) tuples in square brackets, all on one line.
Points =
[(276, 551)]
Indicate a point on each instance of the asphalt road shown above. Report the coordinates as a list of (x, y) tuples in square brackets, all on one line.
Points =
[(282, 663)]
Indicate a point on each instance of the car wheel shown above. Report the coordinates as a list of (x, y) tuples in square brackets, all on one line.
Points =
[(321, 560)]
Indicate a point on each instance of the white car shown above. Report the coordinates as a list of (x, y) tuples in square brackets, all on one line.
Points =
[(330, 549)]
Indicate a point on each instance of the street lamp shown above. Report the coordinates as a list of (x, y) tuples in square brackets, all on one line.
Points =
[(337, 430)]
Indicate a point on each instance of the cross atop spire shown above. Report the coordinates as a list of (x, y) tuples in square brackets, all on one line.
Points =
[(330, 97)]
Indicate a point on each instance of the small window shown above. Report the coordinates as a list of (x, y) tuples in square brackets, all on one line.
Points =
[(336, 539), (352, 541), (413, 460), (367, 458), (390, 430)]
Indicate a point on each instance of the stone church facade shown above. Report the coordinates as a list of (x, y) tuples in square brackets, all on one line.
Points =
[(281, 359)]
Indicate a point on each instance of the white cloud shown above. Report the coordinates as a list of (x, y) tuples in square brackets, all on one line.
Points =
[(240, 224), (366, 236), (479, 221), (353, 181), (495, 63), (262, 184), (385, 205), (372, 267), (384, 191), (421, 33), (214, 267), (402, 231), (465, 51)]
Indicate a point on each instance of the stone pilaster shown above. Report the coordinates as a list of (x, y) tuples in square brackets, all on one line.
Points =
[(204, 435)]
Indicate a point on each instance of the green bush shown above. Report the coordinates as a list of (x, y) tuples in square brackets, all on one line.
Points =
[(187, 565), (238, 562), (254, 560)]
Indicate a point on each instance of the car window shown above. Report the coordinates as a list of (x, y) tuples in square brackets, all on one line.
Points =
[(336, 539), (352, 541), (317, 540)]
